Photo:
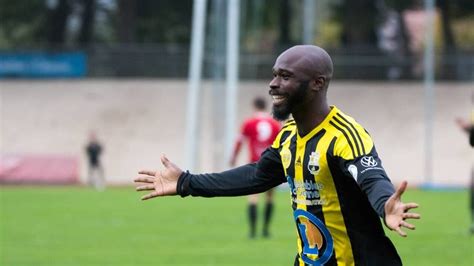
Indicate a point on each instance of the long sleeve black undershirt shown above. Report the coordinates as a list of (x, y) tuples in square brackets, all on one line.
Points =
[(244, 180), (378, 189), (239, 181), (374, 182)]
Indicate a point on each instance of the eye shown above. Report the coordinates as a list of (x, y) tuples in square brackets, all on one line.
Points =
[(285, 76)]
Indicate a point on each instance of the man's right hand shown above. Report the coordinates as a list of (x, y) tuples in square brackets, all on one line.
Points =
[(163, 182)]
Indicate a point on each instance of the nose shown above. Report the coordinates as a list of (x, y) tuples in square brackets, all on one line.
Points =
[(274, 83)]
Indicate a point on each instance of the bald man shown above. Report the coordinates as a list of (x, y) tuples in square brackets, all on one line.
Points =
[(339, 189)]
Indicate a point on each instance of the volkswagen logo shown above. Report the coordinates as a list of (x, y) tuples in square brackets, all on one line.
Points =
[(368, 161)]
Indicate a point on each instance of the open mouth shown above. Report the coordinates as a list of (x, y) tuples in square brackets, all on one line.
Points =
[(278, 99)]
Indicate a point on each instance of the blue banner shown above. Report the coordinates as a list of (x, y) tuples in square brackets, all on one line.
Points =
[(43, 65)]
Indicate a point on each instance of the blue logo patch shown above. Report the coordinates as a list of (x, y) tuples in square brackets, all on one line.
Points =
[(316, 240)]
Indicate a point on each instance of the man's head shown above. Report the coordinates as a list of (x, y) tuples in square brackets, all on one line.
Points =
[(259, 104), (301, 77), (92, 135)]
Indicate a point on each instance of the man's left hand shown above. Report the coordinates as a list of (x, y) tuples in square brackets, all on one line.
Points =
[(396, 212)]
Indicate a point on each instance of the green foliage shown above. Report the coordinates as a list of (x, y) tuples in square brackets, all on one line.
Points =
[(329, 34), (464, 31), (167, 21), (78, 226), (401, 5), (22, 21)]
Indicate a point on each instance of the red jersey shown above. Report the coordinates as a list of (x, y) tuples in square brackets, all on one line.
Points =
[(259, 131)]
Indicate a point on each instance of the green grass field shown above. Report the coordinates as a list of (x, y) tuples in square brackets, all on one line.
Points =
[(79, 226)]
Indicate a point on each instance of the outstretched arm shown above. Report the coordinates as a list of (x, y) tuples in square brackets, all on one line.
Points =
[(383, 197), (396, 212), (243, 180)]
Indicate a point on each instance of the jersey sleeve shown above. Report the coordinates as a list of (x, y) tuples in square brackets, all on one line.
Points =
[(358, 159), (244, 180), (283, 132)]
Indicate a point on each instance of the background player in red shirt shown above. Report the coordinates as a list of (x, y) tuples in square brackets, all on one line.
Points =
[(259, 131)]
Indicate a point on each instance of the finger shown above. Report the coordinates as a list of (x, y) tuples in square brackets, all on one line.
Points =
[(146, 187), (151, 195), (401, 189), (165, 161), (147, 172), (144, 179), (407, 225), (410, 215), (400, 232), (411, 205)]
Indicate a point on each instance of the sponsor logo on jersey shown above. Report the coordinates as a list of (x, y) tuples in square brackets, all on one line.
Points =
[(353, 170), (306, 192), (316, 241), (368, 161)]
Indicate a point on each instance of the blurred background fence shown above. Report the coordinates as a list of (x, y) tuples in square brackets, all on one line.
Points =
[(172, 60)]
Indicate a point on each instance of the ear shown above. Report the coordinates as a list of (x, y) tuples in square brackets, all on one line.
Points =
[(318, 83)]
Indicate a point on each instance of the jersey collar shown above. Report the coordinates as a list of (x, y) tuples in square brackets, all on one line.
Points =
[(321, 125)]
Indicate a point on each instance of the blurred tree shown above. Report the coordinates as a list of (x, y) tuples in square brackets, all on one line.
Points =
[(260, 20), (462, 23), (23, 22), (266, 24), (87, 21), (358, 19), (445, 8), (453, 10), (58, 15), (285, 15), (126, 21), (164, 21)]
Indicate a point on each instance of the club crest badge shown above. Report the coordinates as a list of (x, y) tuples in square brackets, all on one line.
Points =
[(285, 155), (313, 163)]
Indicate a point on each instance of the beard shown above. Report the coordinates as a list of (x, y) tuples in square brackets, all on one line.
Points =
[(282, 112)]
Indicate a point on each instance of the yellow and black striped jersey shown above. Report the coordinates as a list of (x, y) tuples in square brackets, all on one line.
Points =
[(327, 170), (338, 189)]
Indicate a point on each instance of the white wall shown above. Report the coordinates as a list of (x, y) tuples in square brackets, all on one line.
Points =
[(139, 119)]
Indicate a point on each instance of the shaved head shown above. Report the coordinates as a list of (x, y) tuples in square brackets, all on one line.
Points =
[(311, 60)]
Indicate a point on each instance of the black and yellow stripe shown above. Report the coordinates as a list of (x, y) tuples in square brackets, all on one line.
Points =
[(354, 130), (358, 140)]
